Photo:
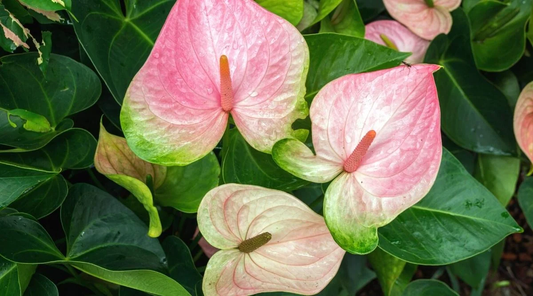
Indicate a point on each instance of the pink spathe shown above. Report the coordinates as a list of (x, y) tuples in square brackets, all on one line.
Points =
[(425, 21), (523, 121), (400, 36)]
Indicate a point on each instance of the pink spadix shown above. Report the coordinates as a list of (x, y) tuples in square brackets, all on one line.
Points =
[(226, 90), (352, 163)]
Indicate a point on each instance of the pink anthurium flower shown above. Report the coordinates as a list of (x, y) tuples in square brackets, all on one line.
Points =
[(208, 249), (523, 121), (269, 240), (394, 35), (214, 58), (377, 136), (426, 18)]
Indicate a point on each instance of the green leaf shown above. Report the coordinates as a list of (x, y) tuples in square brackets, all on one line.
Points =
[(184, 187), (68, 88), (14, 278), (353, 273), (345, 20), (73, 149), (498, 33), (41, 286), (101, 231), (44, 49), (180, 263), (13, 34), (507, 83), (48, 5), (291, 10), (475, 114), (428, 287), (530, 29), (15, 182), (104, 32), (324, 8), (499, 174), (334, 55), (525, 199), (393, 274), (44, 199), (458, 218), (34, 122), (244, 165), (370, 9), (473, 270), (309, 15), (144, 280), (24, 240)]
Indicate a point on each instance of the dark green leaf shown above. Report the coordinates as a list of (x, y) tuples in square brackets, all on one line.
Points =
[(244, 165), (525, 199), (507, 83), (69, 87), (472, 270), (475, 114), (499, 174), (428, 287), (48, 5), (345, 20), (498, 35), (324, 8), (184, 187), (291, 10), (24, 240), (180, 263), (101, 231), (43, 199), (393, 274), (41, 286), (14, 278), (458, 219), (15, 182), (335, 55), (353, 273), (369, 9), (105, 32)]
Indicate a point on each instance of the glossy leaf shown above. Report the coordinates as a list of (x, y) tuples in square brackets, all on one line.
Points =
[(459, 218), (174, 112), (498, 35), (425, 20), (523, 129), (525, 199), (101, 231), (15, 182), (473, 270), (393, 274), (345, 20), (24, 240), (333, 56), (404, 116), (180, 264), (48, 5), (325, 7), (393, 35), (291, 10), (185, 186), (118, 44), (507, 83), (369, 9), (69, 87), (43, 199), (242, 164), (300, 255), (14, 278), (428, 287), (41, 286), (148, 281), (476, 118), (354, 273), (499, 174)]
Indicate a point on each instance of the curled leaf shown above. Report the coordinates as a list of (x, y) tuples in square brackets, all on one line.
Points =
[(426, 18), (392, 34), (523, 121), (116, 161), (269, 241), (381, 132), (213, 59)]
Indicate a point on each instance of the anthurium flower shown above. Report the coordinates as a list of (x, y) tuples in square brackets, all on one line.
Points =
[(377, 136), (394, 35), (426, 18), (523, 121), (215, 58), (269, 240)]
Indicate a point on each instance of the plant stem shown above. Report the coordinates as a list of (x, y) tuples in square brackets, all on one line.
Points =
[(95, 180), (430, 3), (198, 255)]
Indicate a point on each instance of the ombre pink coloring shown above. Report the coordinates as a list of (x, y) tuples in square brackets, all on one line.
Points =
[(523, 121), (301, 256), (425, 21), (400, 36)]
